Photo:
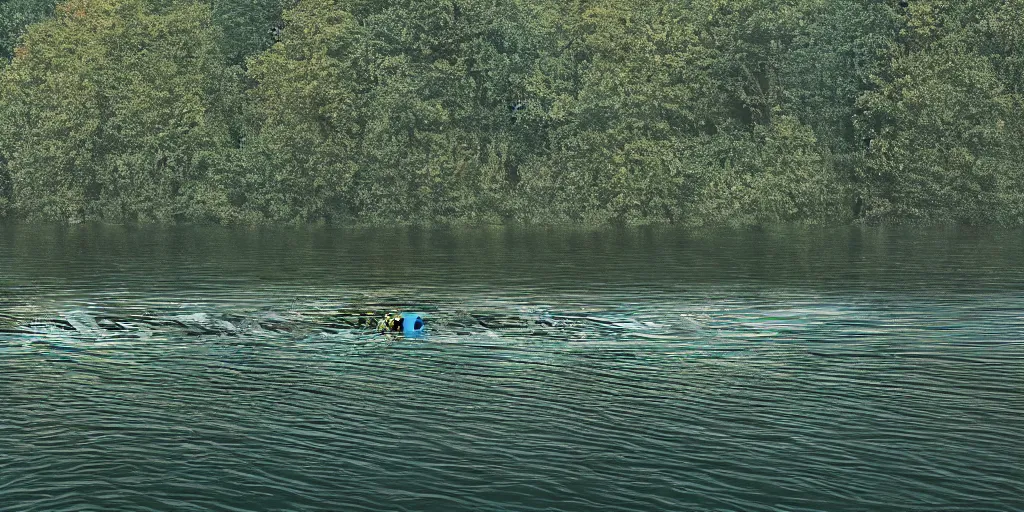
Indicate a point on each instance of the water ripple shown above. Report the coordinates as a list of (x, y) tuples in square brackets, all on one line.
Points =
[(196, 378)]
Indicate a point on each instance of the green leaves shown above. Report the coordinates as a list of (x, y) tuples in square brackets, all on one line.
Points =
[(15, 17), (417, 111), (778, 174), (297, 162), (943, 120), (108, 113), (246, 27), (389, 111), (943, 148)]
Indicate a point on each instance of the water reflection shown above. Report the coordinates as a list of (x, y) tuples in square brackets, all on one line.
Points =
[(201, 368)]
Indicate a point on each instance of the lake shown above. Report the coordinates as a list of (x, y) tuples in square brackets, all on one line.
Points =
[(203, 368)]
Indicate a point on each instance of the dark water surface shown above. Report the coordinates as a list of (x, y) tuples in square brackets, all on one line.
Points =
[(201, 369)]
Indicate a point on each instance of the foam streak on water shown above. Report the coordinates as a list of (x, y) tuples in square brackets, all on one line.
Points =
[(201, 370)]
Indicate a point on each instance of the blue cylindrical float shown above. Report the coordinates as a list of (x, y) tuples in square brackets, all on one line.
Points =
[(412, 324)]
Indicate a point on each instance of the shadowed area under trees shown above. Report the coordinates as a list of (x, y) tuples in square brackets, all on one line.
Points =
[(599, 111)]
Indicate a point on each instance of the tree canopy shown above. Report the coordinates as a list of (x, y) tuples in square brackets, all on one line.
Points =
[(609, 111)]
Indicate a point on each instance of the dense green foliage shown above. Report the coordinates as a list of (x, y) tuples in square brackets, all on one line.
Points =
[(621, 111), (15, 17)]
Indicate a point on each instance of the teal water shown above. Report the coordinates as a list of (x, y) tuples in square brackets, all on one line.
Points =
[(202, 369)]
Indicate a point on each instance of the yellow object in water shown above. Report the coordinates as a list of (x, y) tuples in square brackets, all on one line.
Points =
[(390, 322)]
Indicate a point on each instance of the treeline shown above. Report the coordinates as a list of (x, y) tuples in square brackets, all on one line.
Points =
[(600, 111)]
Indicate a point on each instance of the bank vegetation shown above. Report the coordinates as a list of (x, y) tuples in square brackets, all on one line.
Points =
[(449, 111)]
